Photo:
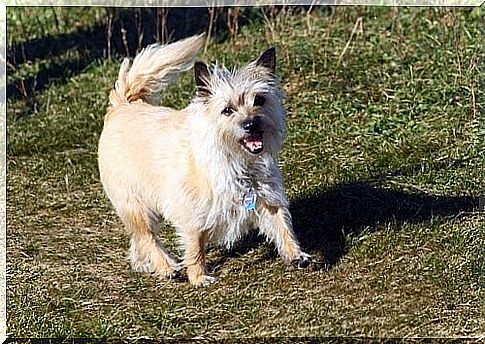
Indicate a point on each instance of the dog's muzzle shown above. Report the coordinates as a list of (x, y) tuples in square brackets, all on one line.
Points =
[(253, 140)]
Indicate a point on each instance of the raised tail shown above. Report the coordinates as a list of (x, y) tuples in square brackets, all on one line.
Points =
[(153, 69)]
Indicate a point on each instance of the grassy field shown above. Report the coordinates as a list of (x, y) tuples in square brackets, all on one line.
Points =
[(383, 165)]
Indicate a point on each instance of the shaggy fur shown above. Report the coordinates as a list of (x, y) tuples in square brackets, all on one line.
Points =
[(195, 166)]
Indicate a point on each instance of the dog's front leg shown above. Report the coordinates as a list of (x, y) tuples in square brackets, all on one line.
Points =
[(194, 259), (275, 223)]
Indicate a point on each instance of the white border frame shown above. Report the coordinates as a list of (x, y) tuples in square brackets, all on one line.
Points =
[(3, 173), (135, 3)]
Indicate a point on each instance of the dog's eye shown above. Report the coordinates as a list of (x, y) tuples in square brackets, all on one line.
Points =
[(227, 111), (259, 100)]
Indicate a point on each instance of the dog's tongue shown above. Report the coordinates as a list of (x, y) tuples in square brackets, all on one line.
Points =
[(254, 143)]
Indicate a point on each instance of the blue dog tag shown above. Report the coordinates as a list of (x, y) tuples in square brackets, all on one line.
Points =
[(249, 200)]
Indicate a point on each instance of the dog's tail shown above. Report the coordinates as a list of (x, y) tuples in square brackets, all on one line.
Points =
[(153, 69)]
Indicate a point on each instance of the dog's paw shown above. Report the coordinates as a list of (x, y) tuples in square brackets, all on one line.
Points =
[(302, 261), (203, 280)]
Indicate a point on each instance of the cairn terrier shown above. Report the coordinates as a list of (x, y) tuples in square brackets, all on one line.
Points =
[(210, 169)]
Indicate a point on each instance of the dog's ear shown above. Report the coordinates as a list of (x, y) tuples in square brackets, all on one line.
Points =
[(202, 78), (268, 60)]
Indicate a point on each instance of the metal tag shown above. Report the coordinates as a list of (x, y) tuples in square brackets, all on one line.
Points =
[(249, 200)]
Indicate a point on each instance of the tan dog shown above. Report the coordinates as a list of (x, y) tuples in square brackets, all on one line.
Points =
[(210, 169)]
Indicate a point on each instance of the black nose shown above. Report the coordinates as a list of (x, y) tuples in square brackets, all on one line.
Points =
[(252, 125)]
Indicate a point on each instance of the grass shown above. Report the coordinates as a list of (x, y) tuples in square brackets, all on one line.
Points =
[(383, 165)]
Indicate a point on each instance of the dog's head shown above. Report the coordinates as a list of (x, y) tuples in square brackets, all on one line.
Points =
[(244, 105)]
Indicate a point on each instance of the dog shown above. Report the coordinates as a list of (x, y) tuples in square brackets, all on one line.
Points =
[(209, 169)]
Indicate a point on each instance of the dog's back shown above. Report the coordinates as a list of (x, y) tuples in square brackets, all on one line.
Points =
[(138, 133)]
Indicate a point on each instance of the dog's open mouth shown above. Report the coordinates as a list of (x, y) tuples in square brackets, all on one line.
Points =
[(253, 143)]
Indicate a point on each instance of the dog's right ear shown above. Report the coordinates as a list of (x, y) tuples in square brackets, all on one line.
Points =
[(202, 78), (268, 60)]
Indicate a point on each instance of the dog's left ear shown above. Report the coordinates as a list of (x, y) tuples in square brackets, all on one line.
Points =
[(202, 78), (268, 60)]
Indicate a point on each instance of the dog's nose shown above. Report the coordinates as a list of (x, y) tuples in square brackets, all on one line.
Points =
[(252, 125)]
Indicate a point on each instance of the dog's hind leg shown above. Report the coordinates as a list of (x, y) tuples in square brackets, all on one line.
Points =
[(194, 243), (147, 253), (275, 224)]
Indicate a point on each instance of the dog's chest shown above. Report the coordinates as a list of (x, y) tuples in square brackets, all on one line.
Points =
[(236, 189), (234, 215)]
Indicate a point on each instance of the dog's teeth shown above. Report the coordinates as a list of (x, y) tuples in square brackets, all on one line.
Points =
[(255, 145)]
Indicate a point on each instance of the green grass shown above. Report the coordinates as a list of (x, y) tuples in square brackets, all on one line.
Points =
[(383, 165)]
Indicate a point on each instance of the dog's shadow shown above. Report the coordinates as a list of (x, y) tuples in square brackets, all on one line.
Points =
[(323, 219)]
